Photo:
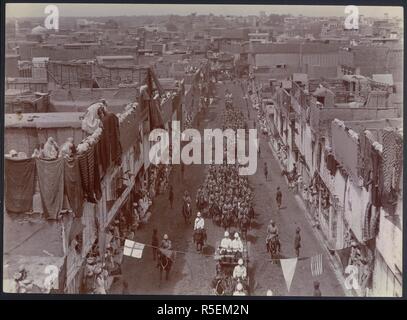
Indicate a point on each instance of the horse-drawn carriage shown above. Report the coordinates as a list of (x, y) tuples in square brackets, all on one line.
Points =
[(224, 284)]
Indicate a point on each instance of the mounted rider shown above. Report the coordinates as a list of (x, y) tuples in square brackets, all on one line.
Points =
[(166, 243), (199, 222), (200, 199), (186, 197), (272, 234), (199, 229), (186, 207), (244, 224), (165, 256)]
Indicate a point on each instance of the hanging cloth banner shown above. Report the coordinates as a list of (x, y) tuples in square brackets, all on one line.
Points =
[(288, 266), (316, 265), (20, 184), (156, 118), (51, 182), (133, 249)]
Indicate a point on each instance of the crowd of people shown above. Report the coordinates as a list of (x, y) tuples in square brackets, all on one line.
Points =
[(100, 270), (233, 119), (228, 198), (141, 205), (224, 194), (158, 179), (50, 150)]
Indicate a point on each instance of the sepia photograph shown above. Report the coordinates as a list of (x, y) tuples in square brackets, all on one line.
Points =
[(203, 150)]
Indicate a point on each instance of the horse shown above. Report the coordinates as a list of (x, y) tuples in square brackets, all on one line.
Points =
[(201, 203), (223, 285), (199, 238), (273, 246), (164, 263), (215, 212), (235, 216), (187, 212), (226, 220), (244, 224), (219, 286)]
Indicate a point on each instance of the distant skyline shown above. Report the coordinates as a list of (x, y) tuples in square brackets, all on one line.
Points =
[(21, 10)]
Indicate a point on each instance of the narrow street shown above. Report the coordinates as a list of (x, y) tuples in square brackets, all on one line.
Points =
[(192, 272), (107, 106)]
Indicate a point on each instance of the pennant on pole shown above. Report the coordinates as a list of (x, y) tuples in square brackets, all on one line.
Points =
[(288, 266), (133, 249), (316, 265)]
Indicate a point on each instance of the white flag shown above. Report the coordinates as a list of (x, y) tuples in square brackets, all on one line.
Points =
[(288, 266), (316, 265), (133, 249)]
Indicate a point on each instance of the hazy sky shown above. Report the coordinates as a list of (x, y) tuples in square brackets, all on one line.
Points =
[(84, 10)]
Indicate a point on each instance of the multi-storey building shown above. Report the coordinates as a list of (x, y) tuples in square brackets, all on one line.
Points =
[(330, 130)]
